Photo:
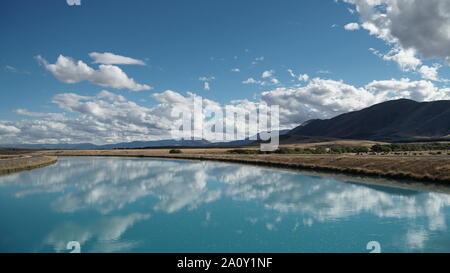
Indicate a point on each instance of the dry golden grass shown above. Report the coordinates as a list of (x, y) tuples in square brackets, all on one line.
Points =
[(20, 163), (424, 168)]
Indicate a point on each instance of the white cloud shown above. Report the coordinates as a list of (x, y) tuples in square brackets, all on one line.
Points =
[(251, 81), (405, 88), (111, 58), (267, 74), (300, 77), (351, 26), (8, 129), (68, 70), (304, 77), (405, 58), (430, 72), (267, 79), (268, 82), (104, 94), (327, 98), (235, 70), (291, 72), (25, 112), (111, 118), (170, 97), (412, 27), (10, 68)]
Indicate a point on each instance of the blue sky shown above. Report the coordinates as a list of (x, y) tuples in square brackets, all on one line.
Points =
[(183, 42)]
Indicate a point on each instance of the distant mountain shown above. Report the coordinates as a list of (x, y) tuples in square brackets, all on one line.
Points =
[(124, 145), (248, 141), (156, 143), (80, 146), (391, 120), (139, 144)]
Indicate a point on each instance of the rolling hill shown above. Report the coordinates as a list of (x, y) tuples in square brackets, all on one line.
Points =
[(387, 121)]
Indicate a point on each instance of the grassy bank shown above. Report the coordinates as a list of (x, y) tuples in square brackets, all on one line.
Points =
[(420, 168), (22, 163)]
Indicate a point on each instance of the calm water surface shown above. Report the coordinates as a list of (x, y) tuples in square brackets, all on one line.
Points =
[(149, 205)]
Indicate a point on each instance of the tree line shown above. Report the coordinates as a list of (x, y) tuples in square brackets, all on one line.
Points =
[(377, 148)]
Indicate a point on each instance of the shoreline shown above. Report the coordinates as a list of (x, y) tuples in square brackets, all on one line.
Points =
[(25, 163), (421, 169)]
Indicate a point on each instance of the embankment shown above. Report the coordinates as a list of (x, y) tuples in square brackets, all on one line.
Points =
[(419, 168), (23, 163)]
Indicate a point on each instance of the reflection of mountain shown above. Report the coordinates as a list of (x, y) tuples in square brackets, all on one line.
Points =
[(389, 190), (110, 184)]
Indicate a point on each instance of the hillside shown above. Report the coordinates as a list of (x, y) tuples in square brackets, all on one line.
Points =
[(391, 120)]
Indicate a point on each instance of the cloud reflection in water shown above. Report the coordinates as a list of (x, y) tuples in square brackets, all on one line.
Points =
[(108, 185)]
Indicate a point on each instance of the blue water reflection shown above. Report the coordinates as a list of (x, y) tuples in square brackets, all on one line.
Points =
[(149, 205)]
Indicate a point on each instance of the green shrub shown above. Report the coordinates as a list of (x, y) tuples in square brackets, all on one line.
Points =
[(243, 151), (175, 151), (410, 147)]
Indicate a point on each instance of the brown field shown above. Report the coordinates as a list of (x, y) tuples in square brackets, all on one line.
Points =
[(16, 163), (420, 168)]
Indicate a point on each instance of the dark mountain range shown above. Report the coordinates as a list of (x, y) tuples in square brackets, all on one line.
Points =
[(387, 121)]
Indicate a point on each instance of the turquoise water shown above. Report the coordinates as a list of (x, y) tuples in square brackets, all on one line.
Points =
[(150, 205)]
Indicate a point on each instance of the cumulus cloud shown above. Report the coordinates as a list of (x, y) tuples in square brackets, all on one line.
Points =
[(351, 26), (323, 98), (300, 77), (413, 27), (8, 130), (405, 88), (430, 72), (405, 58), (68, 70), (25, 112), (111, 58), (267, 79), (250, 81), (235, 70), (110, 118), (267, 74)]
